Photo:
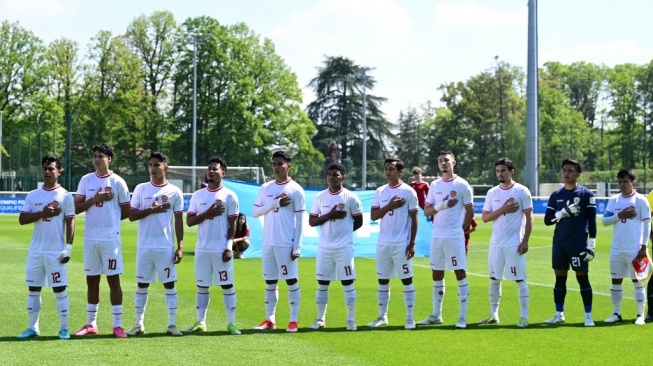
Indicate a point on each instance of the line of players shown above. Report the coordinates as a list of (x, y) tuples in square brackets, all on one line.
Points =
[(158, 208)]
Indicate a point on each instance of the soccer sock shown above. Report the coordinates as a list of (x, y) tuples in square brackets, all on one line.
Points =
[(63, 308), (350, 301), (559, 293), (294, 297), (409, 300), (33, 308), (383, 296), (171, 303), (616, 294), (524, 297), (321, 300), (495, 296), (140, 302), (585, 292), (640, 297), (91, 314), (229, 297), (271, 299), (463, 296), (438, 297), (116, 310), (202, 300)]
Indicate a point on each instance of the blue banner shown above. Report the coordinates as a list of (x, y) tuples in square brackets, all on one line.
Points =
[(11, 205)]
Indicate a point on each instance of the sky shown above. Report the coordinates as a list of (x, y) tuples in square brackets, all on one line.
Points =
[(413, 46)]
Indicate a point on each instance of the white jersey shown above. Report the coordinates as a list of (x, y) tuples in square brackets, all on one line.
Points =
[(508, 229), (212, 233), (395, 225), (48, 235), (279, 224), (627, 235), (339, 233), (103, 218), (449, 222), (157, 230)]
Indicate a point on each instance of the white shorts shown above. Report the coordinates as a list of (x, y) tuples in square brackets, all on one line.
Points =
[(506, 259), (211, 270), (102, 257), (448, 254), (391, 262), (278, 264), (621, 265), (151, 262), (335, 264), (44, 269)]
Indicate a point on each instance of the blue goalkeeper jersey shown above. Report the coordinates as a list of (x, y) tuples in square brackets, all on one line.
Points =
[(576, 228)]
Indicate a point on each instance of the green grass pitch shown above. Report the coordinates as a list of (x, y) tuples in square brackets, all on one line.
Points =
[(567, 344)]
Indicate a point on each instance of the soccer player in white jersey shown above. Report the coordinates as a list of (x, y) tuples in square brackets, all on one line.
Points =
[(281, 202), (447, 198), (510, 208), (396, 205), (214, 209), (104, 196), (338, 212), (155, 205), (52, 210), (630, 214)]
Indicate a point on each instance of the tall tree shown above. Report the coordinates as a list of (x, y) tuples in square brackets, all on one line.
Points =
[(337, 112), (410, 144)]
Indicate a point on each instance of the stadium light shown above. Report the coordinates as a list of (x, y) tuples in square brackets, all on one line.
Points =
[(194, 148)]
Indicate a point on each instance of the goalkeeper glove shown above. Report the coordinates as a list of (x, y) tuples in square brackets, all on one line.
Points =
[(66, 252), (567, 211), (588, 254)]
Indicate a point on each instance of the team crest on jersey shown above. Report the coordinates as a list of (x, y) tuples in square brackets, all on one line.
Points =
[(164, 198), (55, 203), (511, 200), (631, 208), (592, 201), (577, 200), (341, 206), (218, 202), (107, 189), (452, 194)]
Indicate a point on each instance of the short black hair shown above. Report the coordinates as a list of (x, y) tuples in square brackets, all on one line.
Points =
[(447, 152), (104, 149), (505, 161), (575, 163), (159, 155), (218, 160), (282, 154), (49, 159), (399, 162), (337, 166), (623, 173)]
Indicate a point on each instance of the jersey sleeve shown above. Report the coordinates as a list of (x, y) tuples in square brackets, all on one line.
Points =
[(645, 209), (179, 202), (299, 200), (376, 203), (81, 187), (430, 200), (27, 206), (123, 192), (468, 194), (69, 205), (136, 198), (526, 199), (315, 206), (260, 197), (411, 200), (610, 206), (487, 204), (355, 206), (233, 208), (192, 206)]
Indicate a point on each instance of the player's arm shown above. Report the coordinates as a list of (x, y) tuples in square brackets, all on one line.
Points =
[(378, 212), (299, 230), (358, 221), (125, 210), (469, 215), (69, 225), (410, 248), (156, 207), (549, 214), (334, 214), (609, 218), (29, 217), (528, 228), (179, 233), (231, 232), (507, 208), (278, 202)]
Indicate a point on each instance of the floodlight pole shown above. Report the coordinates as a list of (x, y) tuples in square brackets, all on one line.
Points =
[(531, 169), (194, 149), (364, 168)]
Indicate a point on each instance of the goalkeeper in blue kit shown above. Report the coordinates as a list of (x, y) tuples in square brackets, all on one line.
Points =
[(572, 209)]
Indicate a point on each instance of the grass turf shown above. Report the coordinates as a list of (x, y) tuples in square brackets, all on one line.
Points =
[(567, 344)]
